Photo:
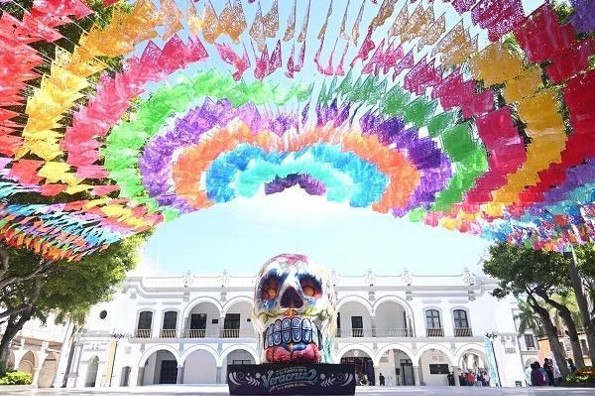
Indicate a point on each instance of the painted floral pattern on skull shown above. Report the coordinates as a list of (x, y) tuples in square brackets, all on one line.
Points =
[(294, 310)]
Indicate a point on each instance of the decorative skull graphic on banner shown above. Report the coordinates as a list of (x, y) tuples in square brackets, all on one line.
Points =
[(294, 310)]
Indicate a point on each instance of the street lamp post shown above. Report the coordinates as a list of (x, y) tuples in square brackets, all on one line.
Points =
[(117, 337), (492, 336)]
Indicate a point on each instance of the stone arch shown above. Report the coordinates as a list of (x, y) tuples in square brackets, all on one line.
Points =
[(28, 362), (405, 349), (402, 302), (199, 347), (364, 365), (409, 323), (227, 351), (427, 347), (48, 371), (236, 300), (354, 298), (474, 348), (161, 347), (395, 362), (206, 359), (199, 300), (358, 347)]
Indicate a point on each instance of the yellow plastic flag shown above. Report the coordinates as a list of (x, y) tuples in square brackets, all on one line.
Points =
[(232, 21), (400, 23), (355, 29), (55, 172), (495, 64), (194, 21), (270, 20), (304, 31), (433, 33), (210, 23), (386, 10), (525, 84), (257, 29), (322, 31), (171, 16)]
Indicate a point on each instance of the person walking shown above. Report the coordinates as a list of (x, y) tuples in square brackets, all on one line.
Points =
[(528, 381), (382, 380), (571, 365), (451, 379), (538, 376), (549, 370), (486, 378)]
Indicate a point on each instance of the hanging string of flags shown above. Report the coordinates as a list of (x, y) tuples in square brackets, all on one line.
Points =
[(404, 107)]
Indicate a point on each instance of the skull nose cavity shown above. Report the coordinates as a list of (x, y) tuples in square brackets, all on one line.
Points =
[(291, 299)]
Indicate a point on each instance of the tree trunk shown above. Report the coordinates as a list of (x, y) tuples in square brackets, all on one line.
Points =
[(552, 335), (566, 316), (583, 306), (13, 326)]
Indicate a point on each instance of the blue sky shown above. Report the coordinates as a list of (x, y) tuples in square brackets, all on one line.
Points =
[(241, 235)]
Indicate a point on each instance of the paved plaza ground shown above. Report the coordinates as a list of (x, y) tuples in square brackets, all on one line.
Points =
[(366, 391)]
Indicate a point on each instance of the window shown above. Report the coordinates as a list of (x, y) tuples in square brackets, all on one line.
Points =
[(461, 323), (103, 314), (433, 319), (584, 346), (357, 326), (145, 321), (338, 324), (433, 324), (460, 317), (231, 325), (530, 342), (169, 324), (169, 320)]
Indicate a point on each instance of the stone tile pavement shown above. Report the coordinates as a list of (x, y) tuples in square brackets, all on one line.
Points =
[(198, 390)]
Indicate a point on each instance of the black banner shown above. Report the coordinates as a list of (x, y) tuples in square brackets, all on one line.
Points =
[(291, 379)]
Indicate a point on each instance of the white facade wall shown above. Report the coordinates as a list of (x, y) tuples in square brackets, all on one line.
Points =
[(393, 335)]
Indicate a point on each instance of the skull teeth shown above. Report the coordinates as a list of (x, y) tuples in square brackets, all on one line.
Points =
[(288, 330)]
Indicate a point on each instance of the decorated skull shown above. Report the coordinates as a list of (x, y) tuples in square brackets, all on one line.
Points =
[(294, 310)]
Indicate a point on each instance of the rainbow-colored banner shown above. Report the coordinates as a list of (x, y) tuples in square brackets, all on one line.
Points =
[(400, 106)]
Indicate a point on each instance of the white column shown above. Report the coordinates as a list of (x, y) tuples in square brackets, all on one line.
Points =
[(457, 372), (65, 356), (417, 375), (180, 376)]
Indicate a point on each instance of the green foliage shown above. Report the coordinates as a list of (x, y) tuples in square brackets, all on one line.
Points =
[(524, 270), (69, 289), (16, 378), (584, 375), (528, 319)]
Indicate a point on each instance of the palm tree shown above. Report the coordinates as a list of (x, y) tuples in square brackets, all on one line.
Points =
[(528, 319)]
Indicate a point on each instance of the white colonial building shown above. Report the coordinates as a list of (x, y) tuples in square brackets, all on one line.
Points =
[(186, 329)]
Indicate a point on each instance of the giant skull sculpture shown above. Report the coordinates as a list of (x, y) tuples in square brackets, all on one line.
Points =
[(294, 310)]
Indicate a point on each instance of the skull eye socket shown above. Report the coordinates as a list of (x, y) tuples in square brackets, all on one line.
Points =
[(311, 286), (270, 288)]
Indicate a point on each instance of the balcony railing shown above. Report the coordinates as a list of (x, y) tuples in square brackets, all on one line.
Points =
[(436, 332), (362, 332), (463, 332), (396, 332), (142, 333), (167, 333)]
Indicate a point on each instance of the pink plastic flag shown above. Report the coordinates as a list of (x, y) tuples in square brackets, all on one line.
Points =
[(241, 64), (406, 63), (340, 71), (364, 51)]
